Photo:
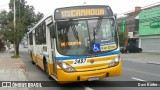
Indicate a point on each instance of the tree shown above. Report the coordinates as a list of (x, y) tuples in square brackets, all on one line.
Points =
[(3, 22), (122, 38), (38, 17), (25, 19), (3, 18)]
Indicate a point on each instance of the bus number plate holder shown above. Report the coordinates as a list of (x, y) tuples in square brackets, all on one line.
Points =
[(93, 78)]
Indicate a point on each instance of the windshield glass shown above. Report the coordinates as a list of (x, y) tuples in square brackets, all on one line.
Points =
[(85, 37)]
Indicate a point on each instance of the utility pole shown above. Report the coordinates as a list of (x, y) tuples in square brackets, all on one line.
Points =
[(14, 15), (14, 21), (19, 8)]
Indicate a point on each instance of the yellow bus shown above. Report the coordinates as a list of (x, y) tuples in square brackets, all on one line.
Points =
[(77, 43)]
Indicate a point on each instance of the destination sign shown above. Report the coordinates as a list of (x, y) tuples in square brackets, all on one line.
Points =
[(82, 12), (69, 43)]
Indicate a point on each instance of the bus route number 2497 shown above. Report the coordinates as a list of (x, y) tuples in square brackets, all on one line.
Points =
[(80, 61)]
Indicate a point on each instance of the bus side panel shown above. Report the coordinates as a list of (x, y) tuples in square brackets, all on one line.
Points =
[(39, 59), (50, 69), (34, 57)]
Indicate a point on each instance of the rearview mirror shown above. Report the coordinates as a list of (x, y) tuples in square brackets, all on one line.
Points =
[(115, 15), (52, 31)]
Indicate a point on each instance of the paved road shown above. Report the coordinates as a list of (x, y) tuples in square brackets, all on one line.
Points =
[(132, 71)]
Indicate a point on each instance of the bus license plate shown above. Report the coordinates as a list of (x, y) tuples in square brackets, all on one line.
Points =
[(93, 78)]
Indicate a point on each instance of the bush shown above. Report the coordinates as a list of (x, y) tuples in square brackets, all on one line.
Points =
[(2, 48), (15, 56), (122, 38)]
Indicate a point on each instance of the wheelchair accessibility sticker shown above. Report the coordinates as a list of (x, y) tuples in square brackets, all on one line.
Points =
[(104, 46), (96, 47)]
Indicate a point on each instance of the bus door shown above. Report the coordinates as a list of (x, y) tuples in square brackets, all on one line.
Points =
[(51, 29)]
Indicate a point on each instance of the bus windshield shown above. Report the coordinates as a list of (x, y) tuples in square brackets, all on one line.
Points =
[(86, 37)]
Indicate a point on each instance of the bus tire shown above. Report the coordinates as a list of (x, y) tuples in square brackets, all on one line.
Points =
[(46, 68), (33, 62), (45, 65)]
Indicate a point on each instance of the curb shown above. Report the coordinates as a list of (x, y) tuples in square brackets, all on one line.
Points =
[(153, 63), (137, 60), (134, 61)]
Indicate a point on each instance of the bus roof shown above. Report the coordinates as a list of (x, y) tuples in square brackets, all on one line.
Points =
[(82, 11), (39, 22)]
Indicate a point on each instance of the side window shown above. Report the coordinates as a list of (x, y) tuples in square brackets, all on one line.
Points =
[(31, 39), (43, 33), (51, 28), (40, 33), (37, 35), (40, 40)]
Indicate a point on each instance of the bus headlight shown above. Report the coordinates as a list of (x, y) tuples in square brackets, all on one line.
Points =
[(66, 67), (114, 62)]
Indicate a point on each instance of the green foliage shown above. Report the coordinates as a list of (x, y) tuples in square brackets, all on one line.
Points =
[(15, 56), (25, 14), (25, 19), (3, 18), (122, 38)]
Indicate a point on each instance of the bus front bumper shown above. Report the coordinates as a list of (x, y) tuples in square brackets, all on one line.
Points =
[(64, 77)]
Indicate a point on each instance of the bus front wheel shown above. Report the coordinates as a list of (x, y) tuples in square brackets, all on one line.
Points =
[(46, 68)]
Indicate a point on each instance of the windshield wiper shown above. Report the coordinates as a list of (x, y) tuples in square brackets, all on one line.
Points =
[(96, 29), (98, 25), (74, 30)]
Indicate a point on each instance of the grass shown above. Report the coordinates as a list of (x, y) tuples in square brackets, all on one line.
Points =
[(15, 56)]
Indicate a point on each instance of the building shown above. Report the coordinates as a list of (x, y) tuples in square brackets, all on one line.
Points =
[(149, 30), (130, 24)]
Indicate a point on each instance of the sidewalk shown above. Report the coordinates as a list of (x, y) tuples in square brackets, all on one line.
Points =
[(11, 70), (144, 57)]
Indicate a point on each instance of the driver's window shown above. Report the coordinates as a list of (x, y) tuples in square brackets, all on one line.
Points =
[(52, 31)]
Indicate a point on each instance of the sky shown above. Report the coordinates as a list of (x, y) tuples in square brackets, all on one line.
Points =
[(118, 6)]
